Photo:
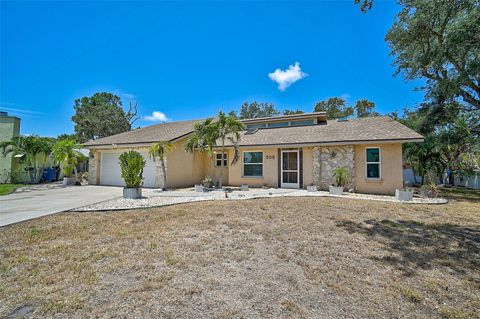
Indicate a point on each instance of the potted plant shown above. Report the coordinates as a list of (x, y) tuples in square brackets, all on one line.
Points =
[(66, 154), (132, 164), (341, 175), (404, 195), (312, 188)]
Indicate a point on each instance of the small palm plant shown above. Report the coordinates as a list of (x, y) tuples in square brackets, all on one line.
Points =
[(160, 150), (341, 176), (66, 154)]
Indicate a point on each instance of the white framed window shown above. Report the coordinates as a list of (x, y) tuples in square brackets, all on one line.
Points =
[(218, 159), (253, 164), (373, 159)]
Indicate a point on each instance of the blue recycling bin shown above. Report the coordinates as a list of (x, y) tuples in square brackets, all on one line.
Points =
[(48, 175)]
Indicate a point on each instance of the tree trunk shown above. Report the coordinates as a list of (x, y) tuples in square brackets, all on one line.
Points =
[(164, 172), (414, 176), (221, 163)]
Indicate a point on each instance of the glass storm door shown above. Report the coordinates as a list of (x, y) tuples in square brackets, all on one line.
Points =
[(290, 169)]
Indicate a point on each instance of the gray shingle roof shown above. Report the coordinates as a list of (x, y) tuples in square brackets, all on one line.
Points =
[(154, 133), (355, 130)]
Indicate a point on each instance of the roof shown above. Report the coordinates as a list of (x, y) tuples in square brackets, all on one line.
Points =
[(367, 129), (333, 131), (286, 117), (150, 134)]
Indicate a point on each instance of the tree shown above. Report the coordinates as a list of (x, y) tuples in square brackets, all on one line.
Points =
[(292, 112), (228, 127), (203, 138), (102, 115), (365, 5), (160, 150), (33, 151), (66, 136), (257, 110), (365, 108), (439, 41), (208, 133), (66, 154), (335, 107)]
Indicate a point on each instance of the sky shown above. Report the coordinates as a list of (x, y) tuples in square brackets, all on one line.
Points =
[(187, 60)]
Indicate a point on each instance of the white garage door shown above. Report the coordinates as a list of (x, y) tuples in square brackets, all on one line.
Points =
[(110, 173)]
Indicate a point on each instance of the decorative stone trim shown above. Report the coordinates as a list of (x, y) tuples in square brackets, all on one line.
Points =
[(327, 158)]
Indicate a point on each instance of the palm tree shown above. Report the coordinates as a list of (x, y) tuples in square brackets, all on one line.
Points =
[(228, 128), (66, 154), (160, 150), (34, 152), (204, 138)]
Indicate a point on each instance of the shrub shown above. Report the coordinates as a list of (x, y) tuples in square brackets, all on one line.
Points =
[(207, 182), (132, 164), (341, 175)]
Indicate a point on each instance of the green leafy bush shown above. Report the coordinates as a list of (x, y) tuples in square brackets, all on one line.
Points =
[(208, 182), (341, 175), (132, 164)]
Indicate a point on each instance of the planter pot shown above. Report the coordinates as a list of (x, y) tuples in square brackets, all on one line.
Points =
[(335, 190), (403, 195), (244, 187), (199, 188), (68, 181), (132, 193), (312, 188)]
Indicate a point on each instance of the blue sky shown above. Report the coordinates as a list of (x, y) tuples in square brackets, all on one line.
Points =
[(191, 59)]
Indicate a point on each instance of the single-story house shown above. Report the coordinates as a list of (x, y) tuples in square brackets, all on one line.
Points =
[(291, 151)]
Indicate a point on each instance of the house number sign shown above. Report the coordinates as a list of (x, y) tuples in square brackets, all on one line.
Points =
[(269, 156)]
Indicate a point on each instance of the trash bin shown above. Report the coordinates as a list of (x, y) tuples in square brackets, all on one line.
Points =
[(48, 175)]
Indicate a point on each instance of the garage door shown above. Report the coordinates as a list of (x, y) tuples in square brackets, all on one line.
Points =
[(110, 173)]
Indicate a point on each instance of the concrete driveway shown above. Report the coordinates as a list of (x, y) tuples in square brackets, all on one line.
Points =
[(40, 200)]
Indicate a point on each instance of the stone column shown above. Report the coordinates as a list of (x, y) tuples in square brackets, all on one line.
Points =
[(316, 165), (93, 163)]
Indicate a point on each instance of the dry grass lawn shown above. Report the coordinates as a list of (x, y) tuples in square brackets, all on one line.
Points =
[(268, 258)]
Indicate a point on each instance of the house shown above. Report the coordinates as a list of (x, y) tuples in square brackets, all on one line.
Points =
[(291, 151), (9, 128)]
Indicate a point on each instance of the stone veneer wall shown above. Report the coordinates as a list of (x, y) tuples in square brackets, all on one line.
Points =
[(327, 158), (93, 162)]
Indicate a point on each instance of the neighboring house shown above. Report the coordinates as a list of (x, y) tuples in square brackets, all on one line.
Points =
[(9, 128), (285, 151)]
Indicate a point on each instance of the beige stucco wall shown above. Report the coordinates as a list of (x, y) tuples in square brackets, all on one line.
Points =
[(270, 169), (183, 168), (391, 169)]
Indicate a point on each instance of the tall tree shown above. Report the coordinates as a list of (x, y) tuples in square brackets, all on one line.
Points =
[(34, 151), (335, 107), (160, 150), (256, 110), (102, 115), (439, 41), (228, 127), (66, 153), (365, 108), (292, 112)]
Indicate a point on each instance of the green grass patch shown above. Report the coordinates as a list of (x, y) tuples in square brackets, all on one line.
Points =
[(6, 189)]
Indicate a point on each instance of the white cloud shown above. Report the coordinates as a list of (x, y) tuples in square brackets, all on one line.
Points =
[(345, 96), (285, 78), (156, 116)]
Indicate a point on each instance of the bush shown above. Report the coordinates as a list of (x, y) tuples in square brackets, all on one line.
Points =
[(208, 182), (132, 164), (341, 175)]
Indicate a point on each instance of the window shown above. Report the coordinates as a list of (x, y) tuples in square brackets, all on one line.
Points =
[(253, 164), (300, 123), (218, 159), (373, 162), (255, 126), (278, 124)]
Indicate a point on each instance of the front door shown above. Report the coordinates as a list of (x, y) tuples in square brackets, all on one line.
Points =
[(290, 169)]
